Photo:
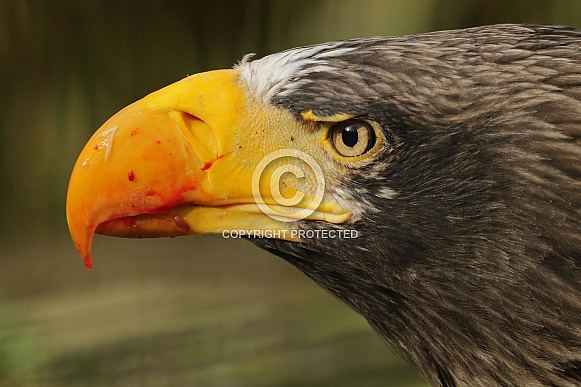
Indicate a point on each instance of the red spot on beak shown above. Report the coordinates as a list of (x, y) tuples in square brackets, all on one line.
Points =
[(181, 222), (131, 175), (130, 222)]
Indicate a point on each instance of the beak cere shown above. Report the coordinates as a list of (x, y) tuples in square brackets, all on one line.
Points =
[(180, 161)]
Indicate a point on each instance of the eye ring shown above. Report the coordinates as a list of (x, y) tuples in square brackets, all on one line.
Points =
[(352, 138)]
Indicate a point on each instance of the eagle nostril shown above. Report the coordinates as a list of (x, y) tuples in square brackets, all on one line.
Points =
[(201, 136)]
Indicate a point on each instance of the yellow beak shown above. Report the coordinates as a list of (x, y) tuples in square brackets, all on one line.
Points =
[(182, 161)]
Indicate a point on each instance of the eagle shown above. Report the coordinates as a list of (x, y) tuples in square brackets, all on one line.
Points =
[(432, 182)]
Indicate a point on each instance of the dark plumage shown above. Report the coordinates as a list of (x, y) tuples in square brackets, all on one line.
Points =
[(472, 269)]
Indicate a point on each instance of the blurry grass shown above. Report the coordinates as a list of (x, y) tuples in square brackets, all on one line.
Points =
[(17, 349), (199, 311)]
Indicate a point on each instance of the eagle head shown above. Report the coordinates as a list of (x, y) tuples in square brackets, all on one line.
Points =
[(431, 182)]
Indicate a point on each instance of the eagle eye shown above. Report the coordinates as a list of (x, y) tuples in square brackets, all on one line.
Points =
[(352, 138)]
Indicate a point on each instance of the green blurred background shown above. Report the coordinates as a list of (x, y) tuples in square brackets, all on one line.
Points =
[(197, 311)]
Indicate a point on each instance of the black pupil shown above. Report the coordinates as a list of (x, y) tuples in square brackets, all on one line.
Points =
[(350, 136)]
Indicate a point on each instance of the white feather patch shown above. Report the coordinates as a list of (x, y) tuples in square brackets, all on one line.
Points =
[(281, 72)]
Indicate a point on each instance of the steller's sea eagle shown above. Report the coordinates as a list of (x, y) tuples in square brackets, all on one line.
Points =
[(432, 182)]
